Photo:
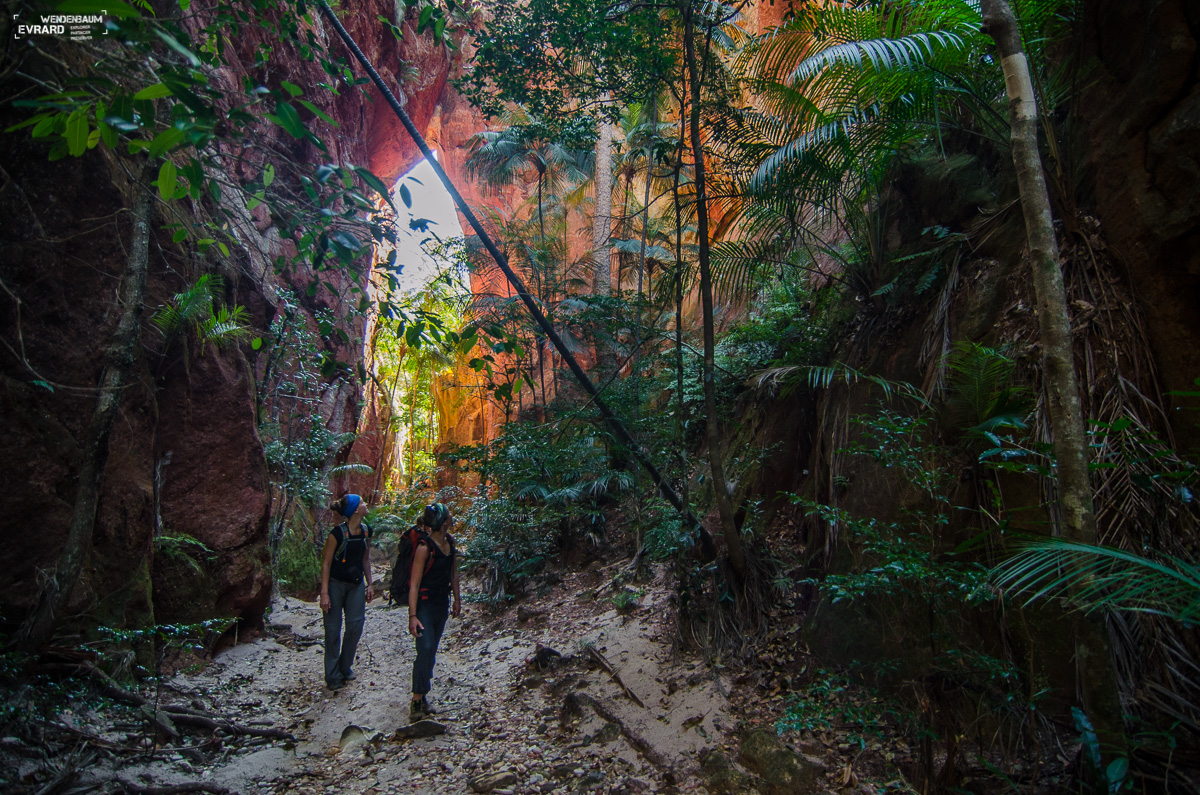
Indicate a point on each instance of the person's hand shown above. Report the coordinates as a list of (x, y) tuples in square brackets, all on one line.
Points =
[(456, 611), (415, 627), (325, 603), (370, 592)]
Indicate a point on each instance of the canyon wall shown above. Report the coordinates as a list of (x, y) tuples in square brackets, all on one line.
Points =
[(185, 456)]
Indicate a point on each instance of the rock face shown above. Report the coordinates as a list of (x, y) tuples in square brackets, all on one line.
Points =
[(185, 456), (1142, 116)]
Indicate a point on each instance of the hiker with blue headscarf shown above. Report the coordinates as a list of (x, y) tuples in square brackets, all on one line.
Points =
[(346, 587)]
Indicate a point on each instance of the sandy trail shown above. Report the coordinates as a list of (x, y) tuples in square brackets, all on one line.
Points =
[(570, 727)]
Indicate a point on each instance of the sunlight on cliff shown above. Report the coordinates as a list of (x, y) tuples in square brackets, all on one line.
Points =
[(424, 275)]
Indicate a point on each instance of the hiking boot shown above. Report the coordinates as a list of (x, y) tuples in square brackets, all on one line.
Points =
[(350, 677), (419, 710)]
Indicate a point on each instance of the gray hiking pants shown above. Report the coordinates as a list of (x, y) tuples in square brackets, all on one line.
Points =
[(339, 651)]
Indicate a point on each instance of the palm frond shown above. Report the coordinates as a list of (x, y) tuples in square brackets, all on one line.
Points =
[(351, 469), (1090, 577), (980, 394), (823, 377)]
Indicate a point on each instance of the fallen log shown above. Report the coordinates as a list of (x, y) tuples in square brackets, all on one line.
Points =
[(174, 789), (641, 744), (182, 715), (603, 662), (186, 719)]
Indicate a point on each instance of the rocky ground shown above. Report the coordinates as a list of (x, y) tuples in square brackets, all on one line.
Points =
[(561, 693)]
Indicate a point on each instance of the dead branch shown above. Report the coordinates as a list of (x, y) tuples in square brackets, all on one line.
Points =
[(90, 739), (189, 786), (186, 719), (636, 740), (607, 666)]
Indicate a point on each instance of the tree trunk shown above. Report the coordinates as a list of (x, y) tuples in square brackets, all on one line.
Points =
[(412, 426), (637, 326), (119, 359), (1096, 680), (679, 407), (602, 211), (716, 446)]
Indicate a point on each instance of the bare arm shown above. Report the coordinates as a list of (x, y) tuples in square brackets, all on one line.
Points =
[(366, 564), (456, 610), (420, 557), (326, 564)]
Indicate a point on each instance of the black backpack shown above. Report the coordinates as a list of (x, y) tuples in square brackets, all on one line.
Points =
[(402, 571)]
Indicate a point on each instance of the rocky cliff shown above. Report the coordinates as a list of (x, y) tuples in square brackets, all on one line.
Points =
[(185, 456)]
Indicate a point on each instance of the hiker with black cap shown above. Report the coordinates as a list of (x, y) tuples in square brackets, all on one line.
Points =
[(432, 581), (346, 587)]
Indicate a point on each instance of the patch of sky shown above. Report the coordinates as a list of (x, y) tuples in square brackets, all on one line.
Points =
[(422, 227)]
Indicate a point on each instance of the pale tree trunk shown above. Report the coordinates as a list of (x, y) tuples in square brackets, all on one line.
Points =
[(679, 406), (1096, 680), (716, 447), (602, 211), (119, 359)]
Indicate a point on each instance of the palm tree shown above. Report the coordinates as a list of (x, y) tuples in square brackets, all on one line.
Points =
[(845, 89), (523, 145), (509, 155)]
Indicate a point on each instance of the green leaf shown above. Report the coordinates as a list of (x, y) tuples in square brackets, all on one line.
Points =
[(291, 88), (31, 121), (268, 175), (156, 91), (195, 176), (165, 141), (1117, 770), (438, 27), (167, 180), (109, 134), (224, 248), (47, 125), (114, 8), (426, 15), (374, 183), (287, 118), (179, 236), (93, 138), (344, 238), (318, 112), (77, 133), (174, 44)]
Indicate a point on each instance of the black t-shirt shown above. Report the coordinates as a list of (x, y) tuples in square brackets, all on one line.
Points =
[(348, 556), (436, 580)]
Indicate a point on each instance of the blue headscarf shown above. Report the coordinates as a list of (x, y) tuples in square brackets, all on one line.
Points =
[(352, 503)]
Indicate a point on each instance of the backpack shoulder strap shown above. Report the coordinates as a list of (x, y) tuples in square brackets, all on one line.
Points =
[(341, 533)]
